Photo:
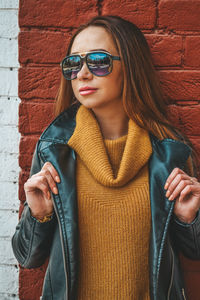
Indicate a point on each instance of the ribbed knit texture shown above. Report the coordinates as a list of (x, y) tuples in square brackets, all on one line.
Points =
[(113, 210)]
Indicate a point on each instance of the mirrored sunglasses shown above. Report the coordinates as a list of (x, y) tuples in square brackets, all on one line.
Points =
[(99, 63)]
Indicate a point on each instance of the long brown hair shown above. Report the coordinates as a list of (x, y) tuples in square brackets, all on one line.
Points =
[(142, 97)]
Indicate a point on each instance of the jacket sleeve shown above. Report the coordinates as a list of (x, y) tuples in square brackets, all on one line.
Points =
[(32, 240), (186, 237)]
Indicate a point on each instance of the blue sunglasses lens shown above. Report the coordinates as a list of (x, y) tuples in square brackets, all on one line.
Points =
[(71, 66), (99, 64)]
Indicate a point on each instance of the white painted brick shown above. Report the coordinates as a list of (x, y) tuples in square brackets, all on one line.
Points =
[(8, 53), (9, 110), (9, 297), (9, 195), (9, 4), (8, 82), (9, 202), (8, 222), (11, 136), (9, 23), (6, 253), (9, 167), (9, 279)]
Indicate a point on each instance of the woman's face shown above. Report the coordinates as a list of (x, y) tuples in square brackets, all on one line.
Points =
[(100, 92)]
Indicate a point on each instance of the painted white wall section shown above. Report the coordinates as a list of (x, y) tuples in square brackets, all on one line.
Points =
[(9, 146)]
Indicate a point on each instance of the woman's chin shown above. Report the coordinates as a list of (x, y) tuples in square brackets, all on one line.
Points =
[(90, 103)]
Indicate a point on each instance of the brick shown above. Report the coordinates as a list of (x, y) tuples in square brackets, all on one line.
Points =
[(9, 23), (192, 280), (9, 111), (22, 195), (9, 82), (42, 46), (187, 102), (27, 144), (21, 208), (189, 265), (8, 53), (140, 12), (30, 285), (56, 13), (192, 50), (186, 118), (179, 14), (9, 279), (39, 82), (166, 50), (180, 85), (23, 177), (196, 145), (27, 147), (25, 161), (34, 117)]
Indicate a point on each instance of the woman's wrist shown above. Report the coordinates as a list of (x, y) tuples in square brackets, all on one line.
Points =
[(42, 217), (187, 220)]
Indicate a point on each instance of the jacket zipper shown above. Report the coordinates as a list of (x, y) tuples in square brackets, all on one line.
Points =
[(183, 293), (63, 251), (169, 215), (172, 275)]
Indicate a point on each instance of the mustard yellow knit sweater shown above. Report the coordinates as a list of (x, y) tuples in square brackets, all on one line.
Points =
[(113, 210)]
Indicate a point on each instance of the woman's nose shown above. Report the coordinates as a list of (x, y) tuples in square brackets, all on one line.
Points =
[(84, 73)]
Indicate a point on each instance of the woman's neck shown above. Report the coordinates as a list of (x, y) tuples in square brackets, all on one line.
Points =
[(113, 124)]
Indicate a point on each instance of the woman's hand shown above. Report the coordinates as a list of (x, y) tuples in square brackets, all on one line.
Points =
[(38, 190), (186, 191)]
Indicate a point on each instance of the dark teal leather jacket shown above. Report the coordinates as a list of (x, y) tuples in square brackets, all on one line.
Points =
[(33, 242)]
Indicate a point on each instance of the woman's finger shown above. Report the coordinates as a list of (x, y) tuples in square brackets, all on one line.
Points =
[(189, 189), (178, 189), (51, 181), (171, 177), (39, 183), (177, 180), (48, 166)]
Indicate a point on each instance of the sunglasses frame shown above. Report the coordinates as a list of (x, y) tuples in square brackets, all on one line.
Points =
[(84, 59)]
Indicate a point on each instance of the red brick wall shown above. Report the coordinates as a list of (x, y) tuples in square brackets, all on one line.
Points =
[(172, 29)]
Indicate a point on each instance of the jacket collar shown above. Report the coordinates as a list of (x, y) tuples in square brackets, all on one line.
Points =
[(62, 128)]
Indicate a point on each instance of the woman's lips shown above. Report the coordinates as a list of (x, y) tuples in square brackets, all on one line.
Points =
[(87, 91)]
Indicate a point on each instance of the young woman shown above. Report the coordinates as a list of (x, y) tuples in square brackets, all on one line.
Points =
[(108, 199)]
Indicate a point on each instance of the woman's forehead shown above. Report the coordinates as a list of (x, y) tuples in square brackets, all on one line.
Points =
[(93, 38)]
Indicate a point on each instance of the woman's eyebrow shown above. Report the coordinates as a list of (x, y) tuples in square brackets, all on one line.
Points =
[(90, 51)]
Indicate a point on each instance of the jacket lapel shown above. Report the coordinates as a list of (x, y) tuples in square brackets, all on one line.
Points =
[(167, 155), (63, 159)]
